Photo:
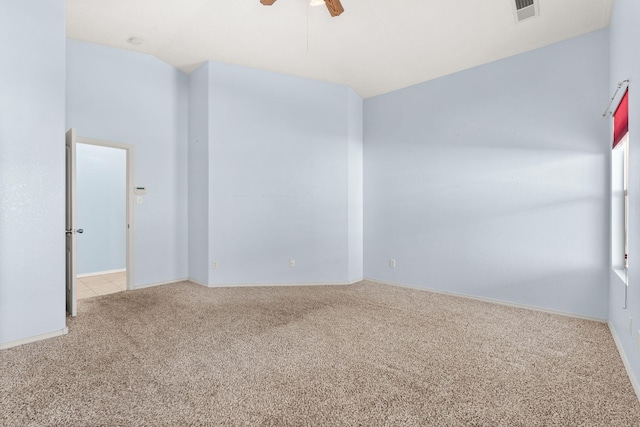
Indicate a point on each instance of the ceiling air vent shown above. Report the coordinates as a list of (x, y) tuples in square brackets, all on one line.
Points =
[(525, 9)]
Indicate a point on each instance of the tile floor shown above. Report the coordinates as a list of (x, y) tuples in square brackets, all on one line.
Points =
[(91, 286)]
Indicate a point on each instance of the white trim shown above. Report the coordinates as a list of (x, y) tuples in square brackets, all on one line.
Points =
[(70, 293), (621, 273), (625, 361), (494, 301), (168, 282), (34, 338), (610, 110), (252, 285), (129, 149), (197, 282), (102, 143), (100, 273), (245, 285)]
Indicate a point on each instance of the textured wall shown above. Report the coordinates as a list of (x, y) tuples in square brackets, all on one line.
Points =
[(136, 99), (356, 208), (32, 156), (625, 64), (278, 178), (493, 181), (199, 174), (101, 208)]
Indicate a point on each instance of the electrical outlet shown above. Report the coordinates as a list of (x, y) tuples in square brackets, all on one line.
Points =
[(392, 263), (214, 265), (292, 263)]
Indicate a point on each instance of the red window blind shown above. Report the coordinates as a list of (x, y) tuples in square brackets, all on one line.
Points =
[(621, 120)]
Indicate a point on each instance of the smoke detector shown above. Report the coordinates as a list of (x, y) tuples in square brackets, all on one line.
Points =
[(525, 9)]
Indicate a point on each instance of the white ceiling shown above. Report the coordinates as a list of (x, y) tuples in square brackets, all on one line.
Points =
[(375, 46)]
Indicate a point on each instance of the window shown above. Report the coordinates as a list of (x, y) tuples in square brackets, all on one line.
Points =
[(620, 189)]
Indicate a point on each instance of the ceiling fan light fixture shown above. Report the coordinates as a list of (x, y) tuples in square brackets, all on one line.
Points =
[(316, 3)]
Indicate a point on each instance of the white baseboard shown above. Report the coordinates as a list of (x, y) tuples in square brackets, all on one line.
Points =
[(251, 285), (625, 361), (494, 301), (34, 338), (272, 285), (100, 273), (244, 285), (168, 282), (197, 282)]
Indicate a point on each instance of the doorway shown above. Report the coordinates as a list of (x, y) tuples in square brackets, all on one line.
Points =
[(101, 191), (99, 218)]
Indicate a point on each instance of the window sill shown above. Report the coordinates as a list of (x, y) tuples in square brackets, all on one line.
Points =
[(622, 274)]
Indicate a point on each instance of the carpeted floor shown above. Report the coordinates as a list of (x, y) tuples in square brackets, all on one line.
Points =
[(365, 354)]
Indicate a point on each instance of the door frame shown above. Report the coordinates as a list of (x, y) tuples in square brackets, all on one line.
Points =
[(71, 306), (130, 198)]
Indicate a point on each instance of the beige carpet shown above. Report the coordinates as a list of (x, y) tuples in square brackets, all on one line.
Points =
[(365, 354)]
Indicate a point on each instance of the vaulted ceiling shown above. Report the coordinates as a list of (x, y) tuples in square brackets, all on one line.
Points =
[(374, 46)]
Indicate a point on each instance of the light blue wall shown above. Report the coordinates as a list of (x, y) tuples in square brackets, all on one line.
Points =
[(32, 245), (101, 208), (199, 175), (136, 99), (625, 64), (493, 182), (356, 212), (278, 178)]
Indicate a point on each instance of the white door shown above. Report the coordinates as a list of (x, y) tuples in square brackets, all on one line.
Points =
[(70, 231)]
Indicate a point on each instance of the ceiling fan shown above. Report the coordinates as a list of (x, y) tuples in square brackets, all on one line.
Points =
[(334, 6)]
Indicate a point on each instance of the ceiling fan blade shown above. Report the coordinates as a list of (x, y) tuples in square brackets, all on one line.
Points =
[(334, 6)]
